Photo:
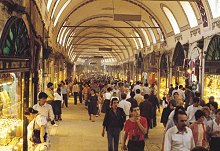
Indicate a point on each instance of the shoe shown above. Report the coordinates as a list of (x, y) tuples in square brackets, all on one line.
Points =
[(60, 119), (55, 125)]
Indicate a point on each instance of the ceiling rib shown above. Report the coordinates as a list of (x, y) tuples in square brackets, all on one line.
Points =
[(107, 45), (103, 37), (99, 50), (138, 27)]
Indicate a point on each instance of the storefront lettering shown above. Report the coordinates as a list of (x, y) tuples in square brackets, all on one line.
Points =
[(15, 64), (23, 64)]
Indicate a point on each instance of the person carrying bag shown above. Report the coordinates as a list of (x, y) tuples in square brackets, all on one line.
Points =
[(37, 131)]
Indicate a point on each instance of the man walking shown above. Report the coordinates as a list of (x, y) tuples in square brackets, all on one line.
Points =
[(113, 123), (135, 129), (146, 110)]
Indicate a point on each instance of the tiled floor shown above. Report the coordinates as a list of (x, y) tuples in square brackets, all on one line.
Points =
[(77, 133)]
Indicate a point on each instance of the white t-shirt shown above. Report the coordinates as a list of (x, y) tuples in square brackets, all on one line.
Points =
[(191, 110), (108, 96), (58, 97), (39, 121), (125, 105)]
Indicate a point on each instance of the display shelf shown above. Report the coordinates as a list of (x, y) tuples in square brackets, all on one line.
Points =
[(212, 87), (163, 87)]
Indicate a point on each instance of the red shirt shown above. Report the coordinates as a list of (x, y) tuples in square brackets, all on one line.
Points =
[(133, 129)]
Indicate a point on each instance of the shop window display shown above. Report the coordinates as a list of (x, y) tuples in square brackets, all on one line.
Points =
[(212, 87), (163, 87), (11, 117)]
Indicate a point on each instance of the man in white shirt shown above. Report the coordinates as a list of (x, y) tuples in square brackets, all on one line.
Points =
[(44, 109), (125, 105), (179, 137), (191, 110)]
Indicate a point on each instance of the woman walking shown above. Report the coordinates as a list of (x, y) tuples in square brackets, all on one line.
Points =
[(58, 99), (92, 105), (64, 91)]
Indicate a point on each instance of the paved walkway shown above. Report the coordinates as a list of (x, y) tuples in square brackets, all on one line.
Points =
[(77, 133)]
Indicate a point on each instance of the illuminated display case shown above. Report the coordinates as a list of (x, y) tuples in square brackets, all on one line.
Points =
[(11, 112), (163, 87), (15, 88), (212, 87)]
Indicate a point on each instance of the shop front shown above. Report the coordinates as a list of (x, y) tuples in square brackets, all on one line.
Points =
[(15, 65), (152, 68), (178, 71), (212, 70), (163, 85)]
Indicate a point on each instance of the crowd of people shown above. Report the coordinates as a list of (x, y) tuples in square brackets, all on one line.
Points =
[(129, 112)]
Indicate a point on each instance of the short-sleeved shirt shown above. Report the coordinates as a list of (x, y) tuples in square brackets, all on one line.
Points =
[(39, 121), (35, 124), (133, 129)]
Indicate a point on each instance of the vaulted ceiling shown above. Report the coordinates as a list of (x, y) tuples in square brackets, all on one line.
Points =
[(118, 29)]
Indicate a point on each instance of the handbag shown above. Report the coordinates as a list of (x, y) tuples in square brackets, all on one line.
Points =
[(36, 135)]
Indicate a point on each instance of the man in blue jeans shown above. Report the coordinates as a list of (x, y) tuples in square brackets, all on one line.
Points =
[(113, 123)]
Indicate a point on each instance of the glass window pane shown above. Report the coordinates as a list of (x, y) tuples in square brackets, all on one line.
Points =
[(189, 13), (215, 7), (172, 20)]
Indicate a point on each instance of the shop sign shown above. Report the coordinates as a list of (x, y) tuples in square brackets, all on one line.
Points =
[(12, 63)]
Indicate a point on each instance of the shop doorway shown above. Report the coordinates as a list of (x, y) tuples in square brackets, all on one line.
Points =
[(163, 75), (212, 69), (178, 72)]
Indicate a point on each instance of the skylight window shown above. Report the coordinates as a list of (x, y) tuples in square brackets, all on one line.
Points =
[(139, 39), (54, 9), (172, 20), (146, 37), (62, 34), (189, 13), (215, 7), (151, 33), (61, 11), (158, 30), (64, 39), (49, 4), (135, 42)]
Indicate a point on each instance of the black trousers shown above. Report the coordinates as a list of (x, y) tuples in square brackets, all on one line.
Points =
[(113, 136), (136, 145), (214, 144), (154, 117), (75, 94), (80, 96), (65, 99)]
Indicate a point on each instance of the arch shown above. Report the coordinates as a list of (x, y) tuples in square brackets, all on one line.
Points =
[(163, 63), (178, 55), (15, 41), (213, 51)]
